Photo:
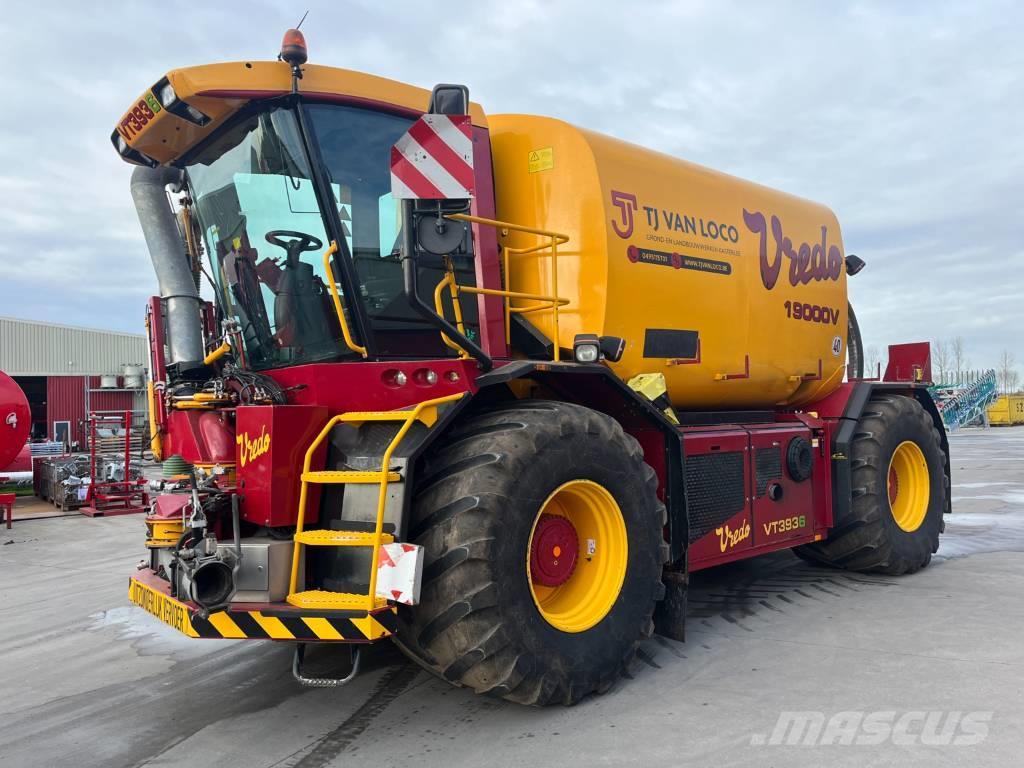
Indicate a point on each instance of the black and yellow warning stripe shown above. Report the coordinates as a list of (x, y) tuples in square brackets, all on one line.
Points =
[(269, 624), (350, 626)]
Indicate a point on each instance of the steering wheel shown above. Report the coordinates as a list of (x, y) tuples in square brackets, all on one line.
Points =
[(300, 242)]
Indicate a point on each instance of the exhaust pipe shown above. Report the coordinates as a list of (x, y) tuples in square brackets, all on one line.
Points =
[(170, 261)]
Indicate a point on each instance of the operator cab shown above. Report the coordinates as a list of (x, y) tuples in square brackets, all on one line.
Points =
[(276, 175), (254, 183)]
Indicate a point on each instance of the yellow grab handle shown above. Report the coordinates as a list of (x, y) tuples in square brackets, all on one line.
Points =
[(156, 443), (337, 300), (217, 354)]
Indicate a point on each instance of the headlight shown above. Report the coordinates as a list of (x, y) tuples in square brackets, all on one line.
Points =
[(120, 143), (586, 348), (164, 92), (167, 95)]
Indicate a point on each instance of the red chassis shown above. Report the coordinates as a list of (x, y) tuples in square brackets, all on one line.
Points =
[(739, 463), (736, 485)]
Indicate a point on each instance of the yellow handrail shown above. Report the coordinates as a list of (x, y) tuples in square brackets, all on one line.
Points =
[(300, 518), (552, 302), (337, 300), (408, 418), (449, 281), (385, 467), (156, 443)]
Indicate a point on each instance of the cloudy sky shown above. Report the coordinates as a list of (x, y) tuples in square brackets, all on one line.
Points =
[(906, 118)]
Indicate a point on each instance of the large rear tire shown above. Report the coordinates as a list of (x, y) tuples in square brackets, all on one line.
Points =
[(899, 493), (544, 550)]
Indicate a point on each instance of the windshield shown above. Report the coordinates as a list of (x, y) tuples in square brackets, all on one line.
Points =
[(264, 232), (265, 237), (355, 146)]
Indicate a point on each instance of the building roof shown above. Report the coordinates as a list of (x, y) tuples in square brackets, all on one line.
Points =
[(35, 348)]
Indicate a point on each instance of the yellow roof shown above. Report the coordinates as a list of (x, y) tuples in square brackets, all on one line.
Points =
[(219, 90)]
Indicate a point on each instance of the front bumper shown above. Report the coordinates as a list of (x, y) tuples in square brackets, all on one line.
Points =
[(259, 621)]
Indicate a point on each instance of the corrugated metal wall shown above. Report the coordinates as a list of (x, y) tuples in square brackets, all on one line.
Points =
[(29, 348), (65, 401)]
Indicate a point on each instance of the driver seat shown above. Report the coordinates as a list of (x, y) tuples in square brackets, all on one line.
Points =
[(299, 308)]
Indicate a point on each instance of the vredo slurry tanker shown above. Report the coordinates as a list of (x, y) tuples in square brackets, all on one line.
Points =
[(490, 386)]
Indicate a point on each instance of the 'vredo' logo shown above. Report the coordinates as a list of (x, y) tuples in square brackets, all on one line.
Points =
[(806, 262), (12, 420), (250, 449), (729, 538)]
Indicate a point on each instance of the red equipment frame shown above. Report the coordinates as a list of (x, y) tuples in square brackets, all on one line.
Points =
[(113, 497)]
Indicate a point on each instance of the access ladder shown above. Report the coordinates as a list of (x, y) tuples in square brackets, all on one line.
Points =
[(319, 599)]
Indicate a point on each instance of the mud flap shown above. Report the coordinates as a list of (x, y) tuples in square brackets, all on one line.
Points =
[(670, 614)]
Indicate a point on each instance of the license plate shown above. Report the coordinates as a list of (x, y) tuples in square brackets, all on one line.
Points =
[(167, 609)]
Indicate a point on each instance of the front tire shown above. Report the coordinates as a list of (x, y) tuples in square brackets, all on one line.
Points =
[(899, 488), (544, 549)]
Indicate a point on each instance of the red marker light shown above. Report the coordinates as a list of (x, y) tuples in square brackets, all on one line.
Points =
[(293, 48)]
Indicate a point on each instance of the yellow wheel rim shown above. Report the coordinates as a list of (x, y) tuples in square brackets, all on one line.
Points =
[(908, 486), (574, 596)]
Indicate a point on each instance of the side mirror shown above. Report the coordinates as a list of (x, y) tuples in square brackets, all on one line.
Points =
[(612, 348), (449, 99), (432, 167)]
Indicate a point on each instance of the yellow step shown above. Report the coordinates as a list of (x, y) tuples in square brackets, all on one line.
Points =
[(348, 476), (318, 599), (322, 538)]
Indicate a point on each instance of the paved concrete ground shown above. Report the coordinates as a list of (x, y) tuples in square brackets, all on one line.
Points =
[(33, 508), (86, 680)]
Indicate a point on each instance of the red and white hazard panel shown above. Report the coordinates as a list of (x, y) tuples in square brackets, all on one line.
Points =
[(434, 160), (400, 572)]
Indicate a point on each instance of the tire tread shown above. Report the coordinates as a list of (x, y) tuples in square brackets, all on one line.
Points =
[(456, 631)]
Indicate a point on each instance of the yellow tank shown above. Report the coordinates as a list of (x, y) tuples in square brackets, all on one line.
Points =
[(735, 292)]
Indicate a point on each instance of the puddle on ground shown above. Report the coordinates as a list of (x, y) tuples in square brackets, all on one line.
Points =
[(149, 636)]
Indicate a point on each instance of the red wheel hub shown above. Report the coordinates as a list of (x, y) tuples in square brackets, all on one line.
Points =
[(894, 485), (554, 551)]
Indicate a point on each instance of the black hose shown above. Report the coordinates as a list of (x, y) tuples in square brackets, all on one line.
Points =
[(854, 347), (175, 562), (249, 380), (236, 531)]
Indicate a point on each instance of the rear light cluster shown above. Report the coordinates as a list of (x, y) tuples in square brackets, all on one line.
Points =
[(422, 377)]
